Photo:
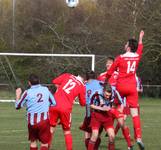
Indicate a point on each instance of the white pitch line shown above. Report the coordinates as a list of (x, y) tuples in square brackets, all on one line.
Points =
[(13, 131)]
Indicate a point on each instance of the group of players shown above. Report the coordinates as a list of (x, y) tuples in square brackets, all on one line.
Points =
[(105, 98)]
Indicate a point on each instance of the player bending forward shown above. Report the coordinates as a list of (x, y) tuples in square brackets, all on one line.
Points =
[(37, 99), (100, 105), (127, 65), (68, 88), (93, 86)]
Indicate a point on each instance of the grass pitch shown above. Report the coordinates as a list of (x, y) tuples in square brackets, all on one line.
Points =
[(13, 128)]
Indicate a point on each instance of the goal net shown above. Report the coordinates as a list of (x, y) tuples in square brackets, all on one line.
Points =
[(16, 67)]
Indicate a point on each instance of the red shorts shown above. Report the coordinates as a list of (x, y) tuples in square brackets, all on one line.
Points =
[(101, 119), (65, 118), (130, 92), (40, 131), (86, 125)]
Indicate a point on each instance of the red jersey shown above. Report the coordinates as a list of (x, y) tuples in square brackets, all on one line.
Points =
[(68, 88), (112, 80), (127, 65)]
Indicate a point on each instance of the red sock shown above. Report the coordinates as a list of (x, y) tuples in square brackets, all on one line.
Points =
[(33, 148), (91, 145), (137, 127), (86, 142), (68, 141), (126, 133), (117, 128), (43, 148), (97, 144), (111, 146)]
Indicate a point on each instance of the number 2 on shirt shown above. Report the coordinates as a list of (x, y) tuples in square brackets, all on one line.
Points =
[(39, 96), (131, 66), (69, 86)]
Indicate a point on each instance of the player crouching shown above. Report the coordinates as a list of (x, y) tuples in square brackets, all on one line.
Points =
[(100, 105)]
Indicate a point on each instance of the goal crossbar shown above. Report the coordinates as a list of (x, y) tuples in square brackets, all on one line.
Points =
[(51, 55)]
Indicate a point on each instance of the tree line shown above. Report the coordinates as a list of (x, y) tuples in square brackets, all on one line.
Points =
[(93, 27)]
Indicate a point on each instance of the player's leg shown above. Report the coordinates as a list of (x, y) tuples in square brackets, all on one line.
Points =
[(44, 134), (53, 119), (44, 146), (137, 127), (118, 126), (108, 125), (98, 141), (125, 132), (126, 112), (87, 130), (65, 119), (132, 100), (68, 139), (93, 139), (33, 145), (87, 137), (33, 136), (95, 125), (111, 137)]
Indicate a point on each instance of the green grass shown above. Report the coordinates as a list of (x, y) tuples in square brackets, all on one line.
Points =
[(13, 128), (7, 94)]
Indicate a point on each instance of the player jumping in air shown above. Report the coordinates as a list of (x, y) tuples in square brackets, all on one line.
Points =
[(37, 99), (68, 88), (127, 65), (118, 104)]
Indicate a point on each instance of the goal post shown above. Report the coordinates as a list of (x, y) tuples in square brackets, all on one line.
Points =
[(51, 55), (15, 68)]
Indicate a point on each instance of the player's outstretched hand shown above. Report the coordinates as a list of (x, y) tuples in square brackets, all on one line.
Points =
[(141, 37), (141, 34), (18, 93)]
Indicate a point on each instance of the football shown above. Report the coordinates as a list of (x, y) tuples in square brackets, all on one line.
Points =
[(72, 3)]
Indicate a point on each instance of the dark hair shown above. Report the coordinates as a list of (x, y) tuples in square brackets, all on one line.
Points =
[(133, 44), (107, 87), (90, 75), (110, 58), (34, 79)]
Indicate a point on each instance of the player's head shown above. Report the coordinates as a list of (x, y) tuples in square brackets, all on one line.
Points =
[(33, 79), (109, 62), (131, 45), (107, 91), (90, 75)]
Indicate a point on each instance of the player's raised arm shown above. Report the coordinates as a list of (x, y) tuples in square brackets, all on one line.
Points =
[(141, 37), (140, 46)]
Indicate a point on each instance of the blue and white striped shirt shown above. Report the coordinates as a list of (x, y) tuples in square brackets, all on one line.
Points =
[(37, 100), (92, 87)]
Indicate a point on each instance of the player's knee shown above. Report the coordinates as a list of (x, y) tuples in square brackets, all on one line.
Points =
[(33, 144), (134, 112), (94, 136), (44, 145), (121, 122), (52, 130), (111, 137), (67, 132)]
